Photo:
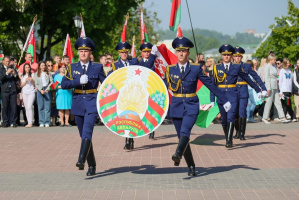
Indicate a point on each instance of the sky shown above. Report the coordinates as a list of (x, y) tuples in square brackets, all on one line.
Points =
[(226, 16)]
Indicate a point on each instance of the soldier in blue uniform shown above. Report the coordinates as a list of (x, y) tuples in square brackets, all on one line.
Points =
[(240, 123), (84, 78), (225, 78), (123, 51), (182, 79)]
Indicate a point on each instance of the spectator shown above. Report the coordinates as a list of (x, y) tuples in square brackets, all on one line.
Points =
[(285, 87), (9, 78), (65, 60), (200, 57), (296, 90), (43, 82), (57, 59), (255, 64), (28, 92), (210, 66), (91, 58), (110, 59), (279, 65), (270, 76), (63, 98), (203, 66), (49, 65), (54, 111), (103, 59), (34, 66), (251, 100)]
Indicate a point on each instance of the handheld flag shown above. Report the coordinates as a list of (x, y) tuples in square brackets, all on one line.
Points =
[(68, 49), (143, 32), (82, 28), (175, 15), (124, 33), (133, 53), (54, 86)]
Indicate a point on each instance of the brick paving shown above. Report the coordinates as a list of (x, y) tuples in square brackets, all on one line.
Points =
[(39, 163)]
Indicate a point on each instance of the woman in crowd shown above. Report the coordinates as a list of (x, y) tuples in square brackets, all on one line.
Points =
[(286, 88), (28, 92), (296, 89), (43, 81), (251, 99), (63, 98), (54, 111), (270, 77)]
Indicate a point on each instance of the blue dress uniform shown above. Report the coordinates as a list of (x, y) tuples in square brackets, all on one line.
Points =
[(184, 107), (242, 87), (84, 101), (125, 47), (225, 80)]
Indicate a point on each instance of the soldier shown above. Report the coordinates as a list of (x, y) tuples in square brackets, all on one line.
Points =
[(84, 77), (225, 77), (123, 51), (181, 79), (240, 123)]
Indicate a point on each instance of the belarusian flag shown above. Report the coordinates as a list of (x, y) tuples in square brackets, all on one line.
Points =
[(206, 115), (175, 15), (54, 86), (124, 33), (1, 56), (179, 32), (30, 47), (133, 53), (143, 32), (82, 29), (68, 49)]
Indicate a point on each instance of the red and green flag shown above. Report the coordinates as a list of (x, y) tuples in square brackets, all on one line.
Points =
[(29, 46), (68, 49), (179, 32), (206, 113), (124, 33), (175, 15), (143, 32), (54, 86), (1, 56)]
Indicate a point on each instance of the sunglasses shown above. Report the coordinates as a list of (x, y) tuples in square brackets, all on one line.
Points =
[(50, 65), (278, 63)]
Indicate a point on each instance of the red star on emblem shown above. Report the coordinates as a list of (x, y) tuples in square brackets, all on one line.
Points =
[(137, 72)]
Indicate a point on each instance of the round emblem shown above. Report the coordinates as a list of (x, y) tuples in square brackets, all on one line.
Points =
[(132, 101)]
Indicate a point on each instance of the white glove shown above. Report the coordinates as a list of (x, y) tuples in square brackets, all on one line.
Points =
[(259, 95), (154, 50), (227, 106), (264, 93), (212, 104), (83, 79)]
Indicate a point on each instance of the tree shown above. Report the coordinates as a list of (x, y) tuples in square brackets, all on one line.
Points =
[(284, 38), (55, 20)]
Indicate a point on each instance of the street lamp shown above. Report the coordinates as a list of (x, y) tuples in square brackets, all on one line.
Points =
[(78, 24)]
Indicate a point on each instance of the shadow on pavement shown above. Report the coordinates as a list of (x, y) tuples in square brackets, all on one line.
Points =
[(152, 169), (151, 146)]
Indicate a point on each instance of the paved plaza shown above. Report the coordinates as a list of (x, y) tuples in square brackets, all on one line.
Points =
[(39, 163)]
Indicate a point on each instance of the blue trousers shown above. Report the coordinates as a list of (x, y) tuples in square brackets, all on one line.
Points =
[(85, 125), (44, 107), (230, 116), (242, 108), (183, 126)]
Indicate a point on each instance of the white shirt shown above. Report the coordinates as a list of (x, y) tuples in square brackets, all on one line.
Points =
[(43, 75), (124, 62), (228, 64), (28, 88), (285, 80), (180, 66), (86, 64)]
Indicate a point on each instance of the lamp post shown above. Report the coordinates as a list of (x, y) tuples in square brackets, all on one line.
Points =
[(78, 24)]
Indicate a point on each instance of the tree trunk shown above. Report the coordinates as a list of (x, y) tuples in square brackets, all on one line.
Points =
[(49, 45)]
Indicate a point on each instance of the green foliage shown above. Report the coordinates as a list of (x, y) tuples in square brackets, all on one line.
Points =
[(284, 38)]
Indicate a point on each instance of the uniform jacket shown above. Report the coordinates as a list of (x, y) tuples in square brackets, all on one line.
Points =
[(243, 89), (234, 71), (193, 73), (83, 103), (5, 79)]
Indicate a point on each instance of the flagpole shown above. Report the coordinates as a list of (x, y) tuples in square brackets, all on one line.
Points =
[(28, 36), (192, 28)]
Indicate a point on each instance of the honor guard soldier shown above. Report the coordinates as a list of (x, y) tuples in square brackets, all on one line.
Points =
[(84, 77), (225, 78), (242, 86), (123, 51), (182, 79)]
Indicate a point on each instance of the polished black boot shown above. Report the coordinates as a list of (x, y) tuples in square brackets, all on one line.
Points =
[(85, 146), (152, 135), (237, 126), (229, 137), (131, 140), (91, 162), (184, 141), (189, 160), (225, 130), (127, 145), (242, 128)]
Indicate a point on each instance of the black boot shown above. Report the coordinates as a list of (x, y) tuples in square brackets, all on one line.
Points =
[(131, 140), (225, 130), (184, 141), (229, 137), (152, 135), (242, 128), (91, 162), (127, 145), (189, 160), (85, 146), (237, 126)]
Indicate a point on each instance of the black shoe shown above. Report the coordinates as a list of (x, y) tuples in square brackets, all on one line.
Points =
[(237, 126), (91, 161), (191, 171), (15, 125), (242, 128), (91, 171), (152, 135), (229, 137), (127, 145), (5, 125), (61, 125), (131, 140), (183, 143), (85, 146)]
